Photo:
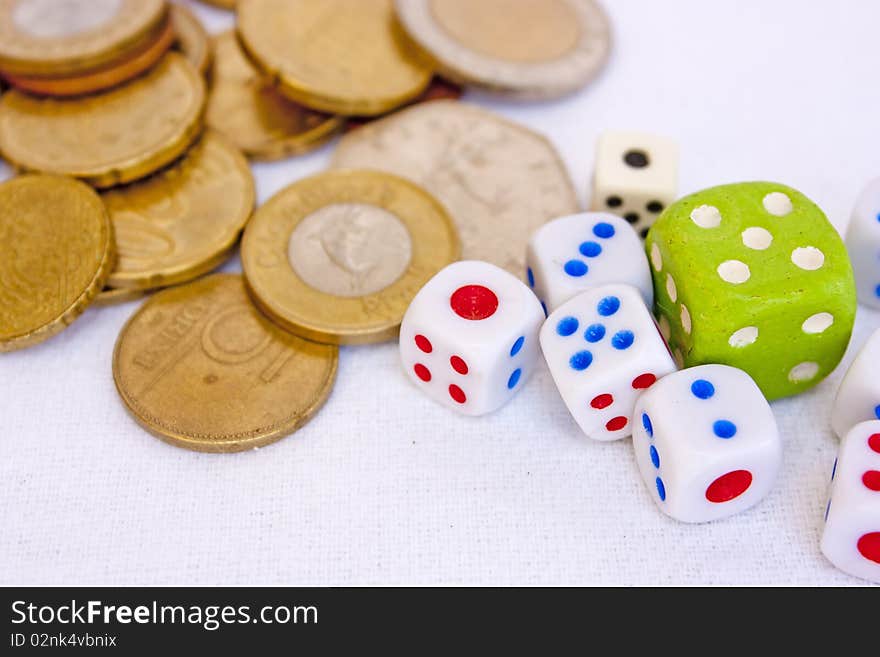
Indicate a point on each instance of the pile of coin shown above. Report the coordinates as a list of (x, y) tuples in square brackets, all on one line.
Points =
[(123, 191)]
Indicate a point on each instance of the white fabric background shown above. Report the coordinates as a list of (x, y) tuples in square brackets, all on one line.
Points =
[(384, 486)]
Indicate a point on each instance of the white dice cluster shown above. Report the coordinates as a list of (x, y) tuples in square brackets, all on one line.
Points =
[(705, 439), (470, 341)]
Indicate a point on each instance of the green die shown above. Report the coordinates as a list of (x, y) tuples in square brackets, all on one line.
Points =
[(754, 276)]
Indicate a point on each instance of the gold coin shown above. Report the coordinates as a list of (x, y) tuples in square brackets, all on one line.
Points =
[(246, 108), (338, 56), (183, 221), (521, 48), (201, 368), (110, 296), (68, 37), (338, 257), (104, 78), (192, 38), (499, 180), (109, 138), (56, 251)]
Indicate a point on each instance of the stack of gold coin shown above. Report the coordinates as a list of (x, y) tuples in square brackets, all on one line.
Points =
[(107, 138), (99, 97)]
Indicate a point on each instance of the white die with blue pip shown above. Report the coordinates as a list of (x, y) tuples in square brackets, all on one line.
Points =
[(469, 339), (706, 443), (858, 398), (863, 244), (603, 349), (574, 253), (851, 537)]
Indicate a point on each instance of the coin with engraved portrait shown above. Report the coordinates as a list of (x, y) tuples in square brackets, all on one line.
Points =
[(499, 180), (112, 137), (338, 257), (520, 48), (183, 221), (70, 37), (56, 251), (253, 115), (201, 368), (350, 249)]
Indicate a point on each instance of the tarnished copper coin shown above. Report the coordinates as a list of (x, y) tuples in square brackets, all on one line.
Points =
[(70, 37), (201, 368), (247, 109), (183, 221), (56, 251), (338, 56), (338, 257), (109, 138)]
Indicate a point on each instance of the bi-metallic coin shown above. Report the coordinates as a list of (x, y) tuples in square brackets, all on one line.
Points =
[(338, 257)]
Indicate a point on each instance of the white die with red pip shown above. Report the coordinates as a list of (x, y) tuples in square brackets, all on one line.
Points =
[(604, 349), (706, 443), (469, 339), (851, 539), (571, 254)]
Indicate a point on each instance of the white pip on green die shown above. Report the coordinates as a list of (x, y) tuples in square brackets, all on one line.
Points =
[(863, 244), (851, 537), (706, 443), (603, 349), (635, 177), (571, 254), (469, 338), (858, 398)]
